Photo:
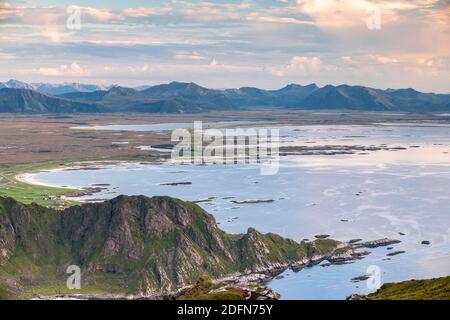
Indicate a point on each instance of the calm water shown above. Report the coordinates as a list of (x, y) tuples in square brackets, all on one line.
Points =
[(367, 195)]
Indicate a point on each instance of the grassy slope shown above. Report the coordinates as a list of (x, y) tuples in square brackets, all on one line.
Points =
[(431, 289), (27, 193), (202, 291)]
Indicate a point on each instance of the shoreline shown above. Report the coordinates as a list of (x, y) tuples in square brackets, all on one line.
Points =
[(29, 177), (58, 196), (261, 276)]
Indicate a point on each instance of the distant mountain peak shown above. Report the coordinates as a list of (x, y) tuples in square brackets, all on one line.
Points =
[(16, 84), (66, 87), (295, 86), (121, 91), (179, 85), (403, 90)]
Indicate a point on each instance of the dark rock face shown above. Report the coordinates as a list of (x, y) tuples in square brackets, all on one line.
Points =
[(142, 245), (379, 243), (360, 278), (395, 253), (322, 236)]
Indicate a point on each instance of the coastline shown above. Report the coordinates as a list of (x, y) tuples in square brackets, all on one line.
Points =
[(28, 178), (260, 277), (19, 182)]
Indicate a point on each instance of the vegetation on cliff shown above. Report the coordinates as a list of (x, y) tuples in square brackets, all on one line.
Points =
[(430, 289), (206, 289)]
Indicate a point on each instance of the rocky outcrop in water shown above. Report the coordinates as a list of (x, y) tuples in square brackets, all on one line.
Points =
[(379, 243)]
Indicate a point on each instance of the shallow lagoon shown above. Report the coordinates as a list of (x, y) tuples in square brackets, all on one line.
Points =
[(367, 195)]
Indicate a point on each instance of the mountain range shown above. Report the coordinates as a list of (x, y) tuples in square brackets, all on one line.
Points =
[(136, 245), (180, 97), (54, 89)]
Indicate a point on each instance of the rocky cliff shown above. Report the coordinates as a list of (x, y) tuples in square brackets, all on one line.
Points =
[(138, 245)]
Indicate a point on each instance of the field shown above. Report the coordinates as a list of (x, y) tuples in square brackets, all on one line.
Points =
[(11, 187)]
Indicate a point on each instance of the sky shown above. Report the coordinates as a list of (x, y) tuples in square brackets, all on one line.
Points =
[(228, 43)]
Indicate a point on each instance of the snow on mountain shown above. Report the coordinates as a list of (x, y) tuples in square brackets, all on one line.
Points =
[(16, 84)]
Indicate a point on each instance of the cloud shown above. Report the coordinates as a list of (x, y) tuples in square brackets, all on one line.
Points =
[(146, 12), (54, 15), (7, 56), (300, 62), (386, 60), (299, 65), (211, 6), (437, 62), (275, 19), (6, 10), (249, 42), (203, 11), (189, 56), (337, 14), (51, 33), (101, 15), (73, 69), (214, 63), (139, 69)]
